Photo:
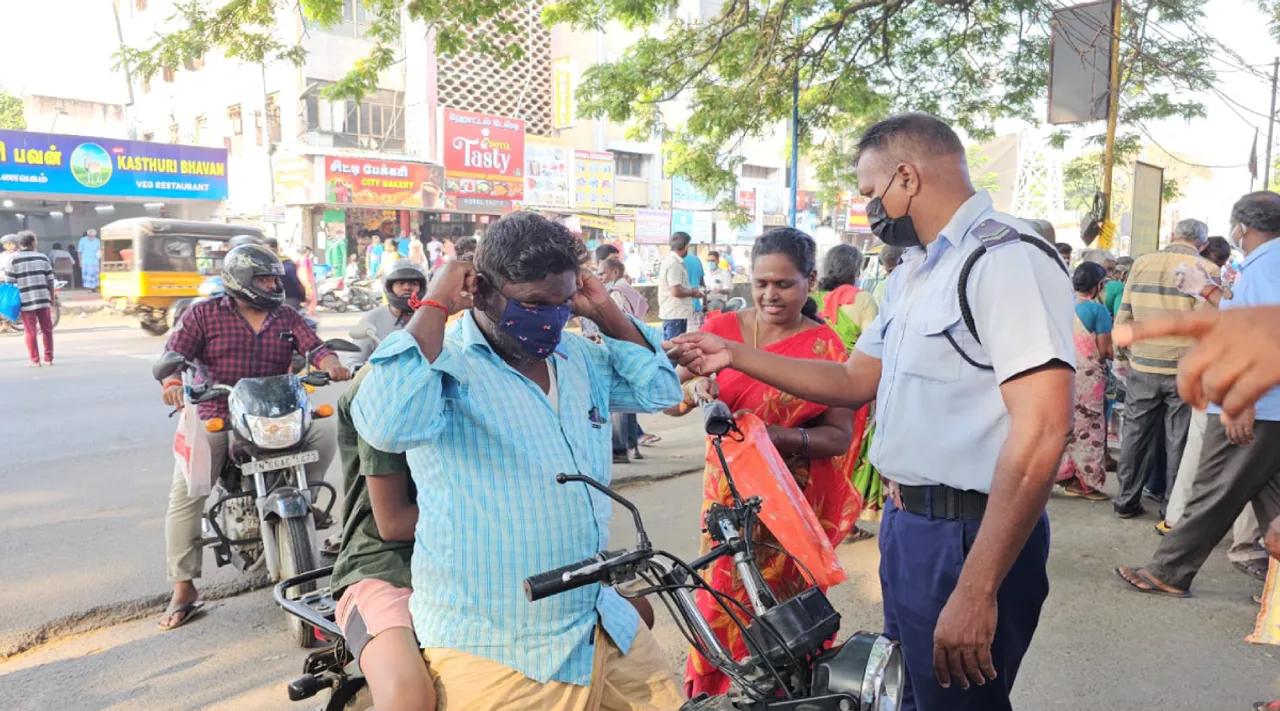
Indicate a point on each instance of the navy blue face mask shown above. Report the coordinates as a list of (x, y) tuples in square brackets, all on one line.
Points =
[(536, 328)]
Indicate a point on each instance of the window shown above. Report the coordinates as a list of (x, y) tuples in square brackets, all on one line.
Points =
[(235, 124), (140, 5), (629, 165), (355, 20), (257, 127), (174, 133), (376, 122), (201, 123), (273, 116), (757, 171), (167, 73)]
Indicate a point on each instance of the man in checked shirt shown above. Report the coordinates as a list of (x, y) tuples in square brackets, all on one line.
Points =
[(236, 336)]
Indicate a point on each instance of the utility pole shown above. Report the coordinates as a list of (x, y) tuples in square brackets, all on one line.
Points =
[(1271, 124), (1113, 110)]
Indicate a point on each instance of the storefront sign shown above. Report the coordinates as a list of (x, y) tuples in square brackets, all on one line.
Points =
[(382, 183), (109, 168), (483, 158), (592, 180), (546, 176), (598, 222), (747, 200), (653, 226), (294, 178), (562, 91), (699, 225), (858, 221), (684, 196)]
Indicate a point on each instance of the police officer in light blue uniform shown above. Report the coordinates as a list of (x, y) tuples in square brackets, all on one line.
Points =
[(971, 362)]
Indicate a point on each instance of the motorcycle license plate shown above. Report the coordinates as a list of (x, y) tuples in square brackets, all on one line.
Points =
[(285, 462)]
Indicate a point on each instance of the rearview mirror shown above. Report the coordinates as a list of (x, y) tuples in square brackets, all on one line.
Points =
[(342, 344), (168, 364)]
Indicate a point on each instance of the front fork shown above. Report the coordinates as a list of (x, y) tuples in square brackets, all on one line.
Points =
[(282, 503)]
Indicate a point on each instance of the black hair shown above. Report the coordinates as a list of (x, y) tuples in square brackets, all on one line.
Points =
[(605, 251), (1259, 211), (614, 263), (272, 243), (27, 239), (891, 255), (713, 255), (1064, 249), (1088, 277), (1217, 250), (56, 245), (918, 132), (841, 266), (525, 246), (680, 240), (799, 248)]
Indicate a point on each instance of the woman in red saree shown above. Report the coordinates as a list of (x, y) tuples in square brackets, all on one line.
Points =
[(815, 441)]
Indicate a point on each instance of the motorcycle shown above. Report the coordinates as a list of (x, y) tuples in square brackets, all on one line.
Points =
[(331, 295), (263, 509), (363, 295), (789, 667)]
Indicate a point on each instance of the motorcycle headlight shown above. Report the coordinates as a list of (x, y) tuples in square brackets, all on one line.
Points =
[(275, 432), (882, 682)]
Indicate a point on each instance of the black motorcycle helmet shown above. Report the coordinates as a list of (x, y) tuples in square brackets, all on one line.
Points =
[(246, 262), (404, 270)]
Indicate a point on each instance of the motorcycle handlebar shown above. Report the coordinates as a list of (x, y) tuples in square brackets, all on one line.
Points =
[(569, 577)]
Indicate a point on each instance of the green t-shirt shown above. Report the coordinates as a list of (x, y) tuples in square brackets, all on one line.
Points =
[(364, 554), (1114, 291)]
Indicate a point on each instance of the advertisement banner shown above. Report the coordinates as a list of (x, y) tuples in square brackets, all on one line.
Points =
[(562, 91), (546, 173), (384, 184), (699, 225), (1148, 193), (110, 168), (294, 178), (592, 180), (653, 226), (483, 159), (684, 196)]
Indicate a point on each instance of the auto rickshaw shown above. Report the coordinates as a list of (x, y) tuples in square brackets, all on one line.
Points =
[(149, 264)]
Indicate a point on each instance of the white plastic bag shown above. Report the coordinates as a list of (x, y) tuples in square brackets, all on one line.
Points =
[(191, 451)]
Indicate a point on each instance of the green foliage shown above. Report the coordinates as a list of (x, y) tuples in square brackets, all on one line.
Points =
[(856, 61), (11, 112)]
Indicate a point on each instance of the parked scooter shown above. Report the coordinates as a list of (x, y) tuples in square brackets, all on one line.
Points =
[(789, 667), (261, 507), (363, 294), (331, 295)]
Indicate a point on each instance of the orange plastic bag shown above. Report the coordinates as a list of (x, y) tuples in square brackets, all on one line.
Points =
[(758, 470)]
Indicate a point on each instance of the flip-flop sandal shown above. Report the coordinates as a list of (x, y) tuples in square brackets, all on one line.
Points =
[(1256, 569), (189, 611), (1163, 527), (1087, 495), (1144, 583), (859, 534), (649, 440), (331, 545)]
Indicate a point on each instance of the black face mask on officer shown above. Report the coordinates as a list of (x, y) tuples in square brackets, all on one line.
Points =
[(893, 231)]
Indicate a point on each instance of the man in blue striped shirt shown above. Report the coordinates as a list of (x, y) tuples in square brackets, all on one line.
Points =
[(489, 412)]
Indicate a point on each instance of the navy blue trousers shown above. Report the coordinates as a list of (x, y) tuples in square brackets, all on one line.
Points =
[(920, 562)]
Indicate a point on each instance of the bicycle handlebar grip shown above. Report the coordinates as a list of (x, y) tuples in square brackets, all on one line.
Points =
[(553, 582)]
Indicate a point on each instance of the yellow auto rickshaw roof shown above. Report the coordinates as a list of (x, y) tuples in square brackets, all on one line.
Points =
[(156, 226)]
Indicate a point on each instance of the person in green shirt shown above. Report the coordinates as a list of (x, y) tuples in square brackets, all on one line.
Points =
[(371, 579), (1114, 290)]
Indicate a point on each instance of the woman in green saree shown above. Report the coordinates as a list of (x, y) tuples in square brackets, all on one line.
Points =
[(849, 310)]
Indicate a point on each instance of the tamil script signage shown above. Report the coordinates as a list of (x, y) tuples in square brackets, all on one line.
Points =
[(384, 184), (109, 168), (684, 196), (653, 226), (483, 158)]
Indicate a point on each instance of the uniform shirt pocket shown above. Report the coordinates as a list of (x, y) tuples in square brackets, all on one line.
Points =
[(926, 353)]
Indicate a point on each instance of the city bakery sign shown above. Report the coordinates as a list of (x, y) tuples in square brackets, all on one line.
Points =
[(484, 157)]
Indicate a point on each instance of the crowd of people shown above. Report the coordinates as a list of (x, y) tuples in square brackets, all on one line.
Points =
[(473, 395)]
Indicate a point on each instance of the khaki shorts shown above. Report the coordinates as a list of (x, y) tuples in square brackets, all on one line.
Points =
[(639, 681)]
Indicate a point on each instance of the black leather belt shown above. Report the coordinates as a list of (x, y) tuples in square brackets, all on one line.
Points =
[(943, 502)]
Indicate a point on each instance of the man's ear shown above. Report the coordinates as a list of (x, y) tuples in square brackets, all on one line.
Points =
[(484, 292)]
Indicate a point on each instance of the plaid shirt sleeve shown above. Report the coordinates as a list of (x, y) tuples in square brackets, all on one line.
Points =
[(189, 337)]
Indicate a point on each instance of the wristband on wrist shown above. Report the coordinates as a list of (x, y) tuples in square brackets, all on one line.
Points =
[(804, 442), (170, 381), (414, 303)]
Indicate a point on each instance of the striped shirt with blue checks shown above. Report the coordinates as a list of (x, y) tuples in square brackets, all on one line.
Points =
[(484, 445)]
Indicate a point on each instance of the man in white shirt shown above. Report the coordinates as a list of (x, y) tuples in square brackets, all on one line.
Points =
[(675, 297), (719, 282)]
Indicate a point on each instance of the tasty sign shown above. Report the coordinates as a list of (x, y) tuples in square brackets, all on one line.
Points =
[(483, 157)]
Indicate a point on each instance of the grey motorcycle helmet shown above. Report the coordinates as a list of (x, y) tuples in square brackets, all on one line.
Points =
[(404, 270), (245, 263)]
